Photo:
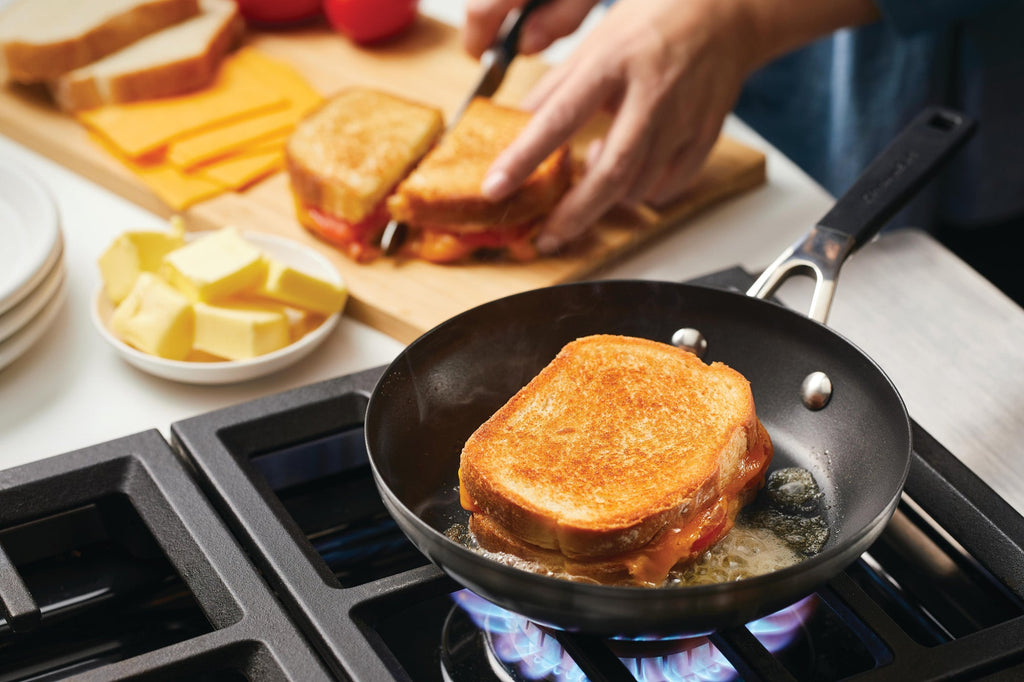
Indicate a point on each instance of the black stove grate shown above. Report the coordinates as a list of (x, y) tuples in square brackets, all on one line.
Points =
[(116, 566), (386, 623)]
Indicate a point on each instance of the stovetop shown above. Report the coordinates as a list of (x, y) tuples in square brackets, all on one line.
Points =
[(255, 547)]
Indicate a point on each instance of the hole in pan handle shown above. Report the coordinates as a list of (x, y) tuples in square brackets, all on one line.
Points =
[(886, 185)]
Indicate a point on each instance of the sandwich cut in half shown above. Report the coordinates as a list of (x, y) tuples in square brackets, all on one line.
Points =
[(346, 157), (441, 199), (621, 459)]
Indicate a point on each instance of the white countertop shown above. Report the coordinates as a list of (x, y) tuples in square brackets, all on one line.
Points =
[(945, 336)]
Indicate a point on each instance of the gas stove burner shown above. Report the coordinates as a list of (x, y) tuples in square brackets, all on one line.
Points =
[(515, 649)]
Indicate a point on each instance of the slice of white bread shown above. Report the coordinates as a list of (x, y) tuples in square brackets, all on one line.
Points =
[(42, 39), (172, 61)]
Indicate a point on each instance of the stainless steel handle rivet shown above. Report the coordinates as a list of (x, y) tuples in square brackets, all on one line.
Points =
[(816, 390), (690, 339)]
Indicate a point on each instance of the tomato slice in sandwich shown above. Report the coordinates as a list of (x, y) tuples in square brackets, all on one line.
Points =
[(357, 240)]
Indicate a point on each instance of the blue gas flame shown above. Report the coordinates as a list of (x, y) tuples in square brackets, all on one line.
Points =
[(538, 655)]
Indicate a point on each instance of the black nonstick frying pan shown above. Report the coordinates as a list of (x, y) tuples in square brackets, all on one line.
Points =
[(451, 379)]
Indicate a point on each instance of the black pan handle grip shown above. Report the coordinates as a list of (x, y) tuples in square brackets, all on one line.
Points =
[(898, 173)]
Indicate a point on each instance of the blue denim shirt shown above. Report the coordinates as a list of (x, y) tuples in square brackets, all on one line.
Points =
[(833, 105)]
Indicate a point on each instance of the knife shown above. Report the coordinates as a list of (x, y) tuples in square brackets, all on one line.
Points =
[(495, 62)]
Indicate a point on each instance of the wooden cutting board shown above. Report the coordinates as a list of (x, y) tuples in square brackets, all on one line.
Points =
[(402, 299)]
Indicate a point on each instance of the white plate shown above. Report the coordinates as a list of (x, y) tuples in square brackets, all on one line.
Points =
[(18, 316), (15, 345), (231, 371), (29, 233)]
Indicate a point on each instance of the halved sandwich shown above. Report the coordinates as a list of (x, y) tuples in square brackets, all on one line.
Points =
[(621, 459), (441, 199), (346, 157)]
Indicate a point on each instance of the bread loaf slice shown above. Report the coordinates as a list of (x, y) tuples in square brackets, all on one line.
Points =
[(172, 61), (42, 39)]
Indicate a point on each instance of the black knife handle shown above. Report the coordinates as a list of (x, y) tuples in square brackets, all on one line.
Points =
[(898, 173)]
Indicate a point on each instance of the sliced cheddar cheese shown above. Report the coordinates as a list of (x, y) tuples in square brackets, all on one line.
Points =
[(141, 128), (199, 148)]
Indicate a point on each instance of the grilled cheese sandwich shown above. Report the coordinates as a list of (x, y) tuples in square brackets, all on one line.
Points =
[(346, 157), (442, 201), (621, 459)]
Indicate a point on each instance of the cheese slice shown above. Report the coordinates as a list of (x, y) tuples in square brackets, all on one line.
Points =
[(203, 147), (142, 128), (241, 170)]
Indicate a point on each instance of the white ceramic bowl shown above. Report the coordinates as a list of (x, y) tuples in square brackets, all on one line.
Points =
[(231, 371)]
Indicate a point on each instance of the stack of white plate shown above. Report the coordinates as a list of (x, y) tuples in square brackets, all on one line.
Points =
[(31, 262)]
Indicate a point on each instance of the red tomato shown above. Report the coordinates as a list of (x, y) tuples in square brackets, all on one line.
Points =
[(272, 12), (358, 241), (367, 21)]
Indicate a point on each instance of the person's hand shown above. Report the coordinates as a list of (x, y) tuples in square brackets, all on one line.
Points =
[(547, 23), (669, 71)]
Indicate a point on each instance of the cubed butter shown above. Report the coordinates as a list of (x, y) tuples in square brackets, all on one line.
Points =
[(292, 286), (238, 331), (135, 252), (155, 318), (215, 266)]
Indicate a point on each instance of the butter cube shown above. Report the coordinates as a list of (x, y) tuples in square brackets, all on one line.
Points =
[(215, 266), (292, 286), (238, 331), (155, 318), (132, 253)]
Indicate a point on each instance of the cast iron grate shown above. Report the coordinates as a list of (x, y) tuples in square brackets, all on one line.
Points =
[(374, 626), (116, 566)]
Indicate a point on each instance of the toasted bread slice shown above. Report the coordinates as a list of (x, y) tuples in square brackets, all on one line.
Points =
[(349, 154), (42, 39), (443, 192), (617, 441), (172, 61)]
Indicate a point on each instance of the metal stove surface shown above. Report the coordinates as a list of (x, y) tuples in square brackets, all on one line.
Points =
[(939, 596), (113, 565)]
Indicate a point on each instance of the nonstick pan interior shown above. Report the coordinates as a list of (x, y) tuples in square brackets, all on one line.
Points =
[(443, 386)]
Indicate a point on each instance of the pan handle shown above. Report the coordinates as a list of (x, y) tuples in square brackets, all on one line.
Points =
[(885, 186)]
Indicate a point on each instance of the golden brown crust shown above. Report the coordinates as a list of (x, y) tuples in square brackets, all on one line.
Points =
[(444, 190), (615, 439), (345, 157), (26, 61)]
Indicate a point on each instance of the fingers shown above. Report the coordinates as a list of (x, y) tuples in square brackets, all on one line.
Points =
[(677, 176), (557, 119), (619, 162), (547, 24), (552, 21), (483, 19)]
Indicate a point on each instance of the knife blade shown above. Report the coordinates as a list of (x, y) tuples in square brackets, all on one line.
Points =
[(495, 62)]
